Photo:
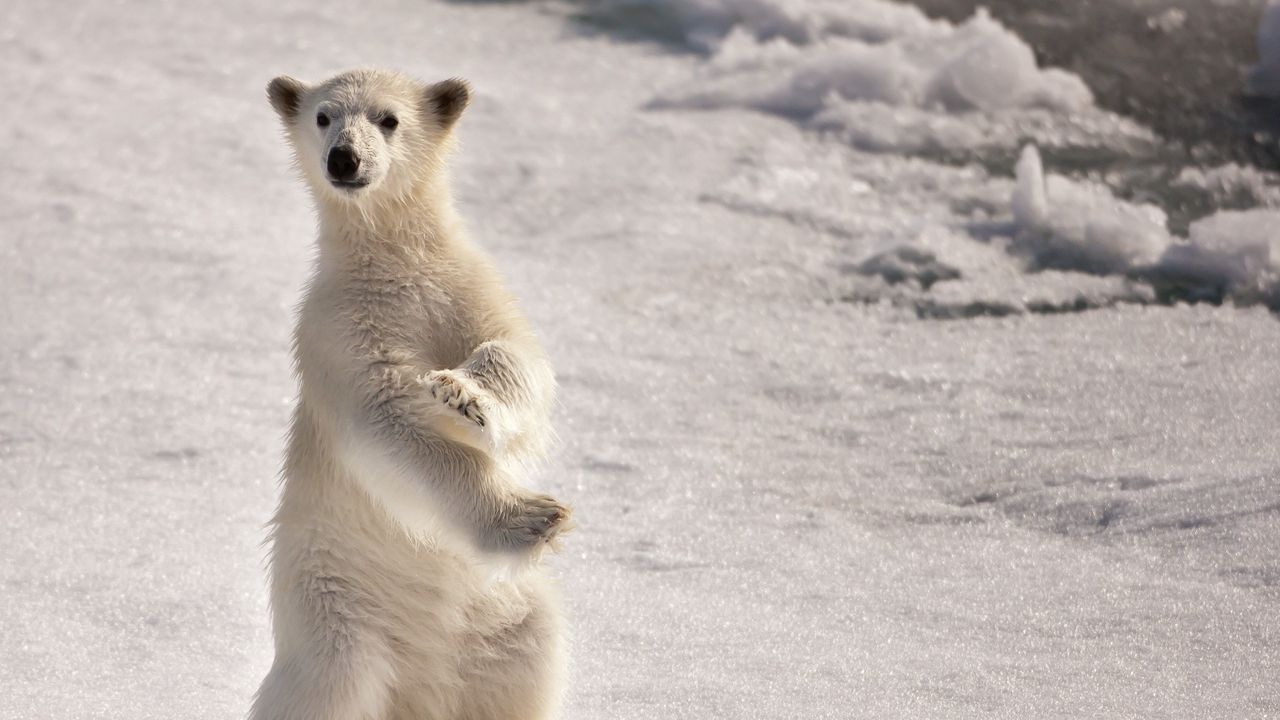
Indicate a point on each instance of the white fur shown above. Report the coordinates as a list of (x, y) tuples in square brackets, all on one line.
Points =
[(423, 395)]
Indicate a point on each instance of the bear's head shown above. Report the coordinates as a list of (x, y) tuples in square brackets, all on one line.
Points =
[(368, 135)]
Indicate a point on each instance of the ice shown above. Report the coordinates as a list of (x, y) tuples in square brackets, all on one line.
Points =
[(880, 127), (1232, 185), (982, 66), (882, 77), (1068, 244), (1230, 255), (977, 65), (1029, 203), (1080, 225), (798, 21)]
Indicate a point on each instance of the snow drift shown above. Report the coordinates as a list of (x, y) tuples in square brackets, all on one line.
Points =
[(974, 66), (881, 76)]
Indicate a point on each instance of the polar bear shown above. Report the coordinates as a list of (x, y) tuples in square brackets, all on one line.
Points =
[(423, 392)]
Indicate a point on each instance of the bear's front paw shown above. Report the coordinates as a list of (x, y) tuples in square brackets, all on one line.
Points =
[(458, 393), (535, 521)]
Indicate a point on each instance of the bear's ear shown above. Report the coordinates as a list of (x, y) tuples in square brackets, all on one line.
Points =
[(447, 99), (285, 94)]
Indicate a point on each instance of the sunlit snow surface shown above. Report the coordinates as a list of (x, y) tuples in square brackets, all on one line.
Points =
[(800, 492)]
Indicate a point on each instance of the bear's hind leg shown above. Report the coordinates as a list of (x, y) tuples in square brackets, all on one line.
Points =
[(344, 680), (517, 673)]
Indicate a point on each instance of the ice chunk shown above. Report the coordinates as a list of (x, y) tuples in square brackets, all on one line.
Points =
[(1079, 225), (983, 66), (986, 70), (1230, 255), (1232, 185), (1030, 206)]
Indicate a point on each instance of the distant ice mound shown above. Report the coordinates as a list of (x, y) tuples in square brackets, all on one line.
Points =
[(884, 77), (795, 64)]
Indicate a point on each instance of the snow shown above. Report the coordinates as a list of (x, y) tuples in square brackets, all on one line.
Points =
[(1084, 227), (800, 493), (706, 22), (1232, 185), (1233, 254), (883, 77), (1081, 226), (1029, 204), (974, 66)]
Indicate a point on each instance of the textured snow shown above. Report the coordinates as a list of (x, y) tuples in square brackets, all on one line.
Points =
[(1232, 185), (1080, 225), (799, 495), (974, 66), (1232, 254), (881, 76)]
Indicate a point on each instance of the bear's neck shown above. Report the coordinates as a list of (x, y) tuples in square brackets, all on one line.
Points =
[(398, 234)]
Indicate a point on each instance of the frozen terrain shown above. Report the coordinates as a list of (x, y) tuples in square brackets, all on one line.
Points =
[(855, 427)]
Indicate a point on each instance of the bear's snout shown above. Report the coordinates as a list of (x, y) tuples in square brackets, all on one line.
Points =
[(343, 163)]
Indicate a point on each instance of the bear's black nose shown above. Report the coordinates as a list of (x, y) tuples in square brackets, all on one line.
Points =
[(343, 163)]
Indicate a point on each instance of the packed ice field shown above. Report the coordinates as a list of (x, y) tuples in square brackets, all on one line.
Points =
[(870, 406)]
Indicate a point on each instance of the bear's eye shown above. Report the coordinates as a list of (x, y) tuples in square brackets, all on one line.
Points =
[(322, 120), (389, 122)]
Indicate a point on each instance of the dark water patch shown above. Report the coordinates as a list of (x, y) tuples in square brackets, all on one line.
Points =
[(1177, 66), (636, 21)]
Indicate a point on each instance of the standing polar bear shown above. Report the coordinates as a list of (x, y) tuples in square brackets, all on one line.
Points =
[(423, 392)]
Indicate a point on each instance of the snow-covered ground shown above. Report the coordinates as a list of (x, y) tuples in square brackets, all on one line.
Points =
[(840, 442)]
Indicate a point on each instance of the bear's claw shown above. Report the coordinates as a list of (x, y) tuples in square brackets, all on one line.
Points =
[(455, 391), (537, 520)]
